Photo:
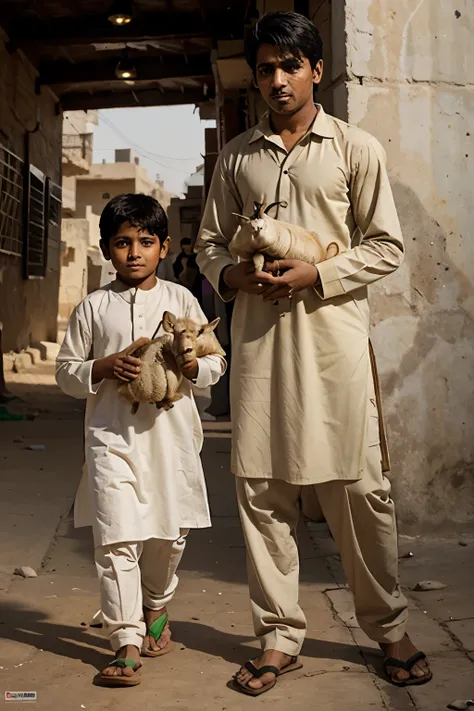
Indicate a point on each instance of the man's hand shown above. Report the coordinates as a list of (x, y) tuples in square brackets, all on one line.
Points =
[(190, 370), (242, 277), (116, 366), (297, 275)]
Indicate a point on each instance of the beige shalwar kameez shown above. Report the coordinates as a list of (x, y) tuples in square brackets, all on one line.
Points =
[(302, 392)]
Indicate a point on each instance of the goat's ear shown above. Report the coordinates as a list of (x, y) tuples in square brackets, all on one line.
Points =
[(241, 218), (213, 325), (169, 322)]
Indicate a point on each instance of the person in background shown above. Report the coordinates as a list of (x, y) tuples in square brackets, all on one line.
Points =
[(182, 258), (5, 394)]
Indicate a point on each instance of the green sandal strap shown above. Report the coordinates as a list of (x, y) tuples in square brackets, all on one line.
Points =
[(156, 628), (122, 663)]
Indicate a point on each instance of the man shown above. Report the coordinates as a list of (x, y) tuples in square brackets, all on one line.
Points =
[(302, 391), (182, 258)]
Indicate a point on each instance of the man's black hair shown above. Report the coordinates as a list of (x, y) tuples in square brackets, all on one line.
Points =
[(139, 210), (185, 240), (293, 33)]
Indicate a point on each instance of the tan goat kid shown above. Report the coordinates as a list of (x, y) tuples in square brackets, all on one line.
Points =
[(160, 376), (260, 236)]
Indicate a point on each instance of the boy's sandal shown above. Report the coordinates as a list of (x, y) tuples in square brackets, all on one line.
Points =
[(120, 680), (292, 665), (155, 630), (392, 663)]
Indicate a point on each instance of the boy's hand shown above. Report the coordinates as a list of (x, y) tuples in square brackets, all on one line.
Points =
[(190, 370), (126, 367), (120, 366)]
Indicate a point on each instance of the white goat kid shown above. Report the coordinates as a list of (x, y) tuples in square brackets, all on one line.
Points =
[(160, 376), (260, 237)]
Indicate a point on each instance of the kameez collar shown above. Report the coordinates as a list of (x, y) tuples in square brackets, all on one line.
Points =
[(321, 126), (132, 295)]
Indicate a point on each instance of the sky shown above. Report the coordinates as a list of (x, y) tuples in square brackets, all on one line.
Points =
[(169, 140)]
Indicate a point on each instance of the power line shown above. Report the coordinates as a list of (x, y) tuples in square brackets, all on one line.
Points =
[(136, 145)]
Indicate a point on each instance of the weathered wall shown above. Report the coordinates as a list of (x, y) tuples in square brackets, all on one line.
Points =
[(74, 267), (90, 200), (410, 82), (28, 308), (112, 179)]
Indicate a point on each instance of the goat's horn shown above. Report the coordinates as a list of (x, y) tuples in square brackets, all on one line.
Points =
[(274, 204), (258, 210)]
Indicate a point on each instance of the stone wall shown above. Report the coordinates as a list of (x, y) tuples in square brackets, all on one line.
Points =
[(28, 308), (74, 266), (409, 80)]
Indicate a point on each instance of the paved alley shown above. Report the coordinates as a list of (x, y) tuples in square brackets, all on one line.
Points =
[(47, 647)]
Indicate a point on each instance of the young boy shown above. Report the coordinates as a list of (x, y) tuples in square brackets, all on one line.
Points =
[(143, 485)]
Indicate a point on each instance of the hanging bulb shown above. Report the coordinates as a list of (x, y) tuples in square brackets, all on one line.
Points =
[(125, 69), (120, 13)]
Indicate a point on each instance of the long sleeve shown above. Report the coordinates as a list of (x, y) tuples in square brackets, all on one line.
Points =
[(217, 227), (211, 367), (381, 249), (73, 369)]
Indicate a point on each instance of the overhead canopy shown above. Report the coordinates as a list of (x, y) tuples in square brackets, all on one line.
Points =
[(76, 49)]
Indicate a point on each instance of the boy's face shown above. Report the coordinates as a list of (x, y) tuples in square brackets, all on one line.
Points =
[(135, 254), (285, 82)]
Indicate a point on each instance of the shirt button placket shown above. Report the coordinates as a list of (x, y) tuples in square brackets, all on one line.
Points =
[(284, 196)]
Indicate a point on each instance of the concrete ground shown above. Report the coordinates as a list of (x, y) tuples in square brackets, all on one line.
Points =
[(46, 647)]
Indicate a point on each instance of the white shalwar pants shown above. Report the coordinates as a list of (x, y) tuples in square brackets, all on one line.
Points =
[(133, 576)]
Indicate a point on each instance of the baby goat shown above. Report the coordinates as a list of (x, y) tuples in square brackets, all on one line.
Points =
[(160, 376), (261, 236)]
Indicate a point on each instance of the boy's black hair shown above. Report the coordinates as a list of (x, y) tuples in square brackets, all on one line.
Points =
[(141, 211), (293, 33)]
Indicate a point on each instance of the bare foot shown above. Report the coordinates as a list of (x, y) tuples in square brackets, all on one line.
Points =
[(149, 641), (269, 658), (128, 652), (403, 650)]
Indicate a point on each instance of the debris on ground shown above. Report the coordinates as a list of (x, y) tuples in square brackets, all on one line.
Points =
[(461, 705), (25, 572), (426, 585), (410, 554), (36, 447)]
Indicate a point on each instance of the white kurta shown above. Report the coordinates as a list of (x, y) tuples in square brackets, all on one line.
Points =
[(143, 476)]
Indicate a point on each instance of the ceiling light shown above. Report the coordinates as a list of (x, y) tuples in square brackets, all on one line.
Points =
[(126, 69), (120, 13)]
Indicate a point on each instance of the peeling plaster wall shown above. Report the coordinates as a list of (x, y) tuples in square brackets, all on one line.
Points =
[(74, 266), (410, 82)]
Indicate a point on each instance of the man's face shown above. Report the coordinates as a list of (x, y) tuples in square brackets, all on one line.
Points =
[(187, 248), (135, 254), (285, 82)]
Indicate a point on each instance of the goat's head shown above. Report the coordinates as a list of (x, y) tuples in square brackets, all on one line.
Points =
[(258, 224), (187, 335)]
